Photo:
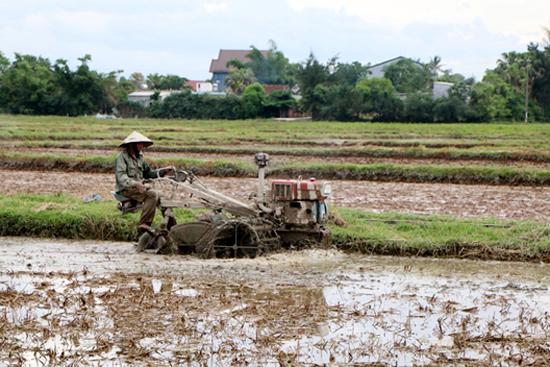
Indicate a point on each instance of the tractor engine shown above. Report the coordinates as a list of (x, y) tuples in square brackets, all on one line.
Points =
[(300, 203), (299, 206)]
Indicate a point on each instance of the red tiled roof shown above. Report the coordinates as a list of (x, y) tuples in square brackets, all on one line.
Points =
[(193, 84), (219, 65), (268, 88)]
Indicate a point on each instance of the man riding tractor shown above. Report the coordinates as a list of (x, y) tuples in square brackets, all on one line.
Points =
[(131, 170)]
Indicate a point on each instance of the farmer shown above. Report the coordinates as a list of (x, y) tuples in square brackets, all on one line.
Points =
[(130, 171)]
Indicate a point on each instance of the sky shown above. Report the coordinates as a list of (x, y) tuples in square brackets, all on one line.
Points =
[(181, 37)]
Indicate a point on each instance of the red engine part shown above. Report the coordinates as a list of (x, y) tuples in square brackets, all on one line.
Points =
[(287, 190)]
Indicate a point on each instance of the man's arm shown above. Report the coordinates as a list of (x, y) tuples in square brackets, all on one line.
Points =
[(150, 173), (121, 172)]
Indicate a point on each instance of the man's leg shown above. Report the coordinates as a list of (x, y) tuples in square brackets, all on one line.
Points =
[(150, 200)]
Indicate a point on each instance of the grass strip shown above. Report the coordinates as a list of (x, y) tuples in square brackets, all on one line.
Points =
[(419, 173), (492, 175), (66, 216), (282, 131), (440, 236), (397, 152)]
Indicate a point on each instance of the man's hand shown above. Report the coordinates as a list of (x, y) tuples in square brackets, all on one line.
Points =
[(166, 172), (142, 188)]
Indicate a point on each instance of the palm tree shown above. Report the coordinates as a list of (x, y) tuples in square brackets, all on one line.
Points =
[(238, 80)]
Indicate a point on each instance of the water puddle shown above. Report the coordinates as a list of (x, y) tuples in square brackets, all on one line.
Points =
[(109, 306)]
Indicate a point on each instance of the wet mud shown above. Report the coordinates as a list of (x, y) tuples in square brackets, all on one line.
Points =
[(505, 202), (98, 303)]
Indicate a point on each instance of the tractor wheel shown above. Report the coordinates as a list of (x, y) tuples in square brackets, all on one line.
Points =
[(229, 239), (157, 243), (165, 247), (185, 236), (144, 242)]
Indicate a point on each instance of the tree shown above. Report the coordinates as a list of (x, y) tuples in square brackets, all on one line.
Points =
[(407, 76), (347, 74), (4, 63), (451, 109), (379, 101), (173, 82), (540, 83), (137, 80), (163, 82), (419, 107), (253, 100), (27, 85), (271, 68), (278, 103), (311, 75), (78, 92), (238, 80), (435, 68), (494, 99), (154, 81)]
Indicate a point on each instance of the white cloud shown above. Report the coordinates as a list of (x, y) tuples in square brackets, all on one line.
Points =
[(505, 17), (215, 6)]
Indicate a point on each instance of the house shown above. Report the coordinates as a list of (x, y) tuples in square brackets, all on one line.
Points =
[(439, 89), (143, 97), (377, 70), (219, 69), (200, 86)]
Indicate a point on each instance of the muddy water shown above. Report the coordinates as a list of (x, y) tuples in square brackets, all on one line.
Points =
[(62, 302)]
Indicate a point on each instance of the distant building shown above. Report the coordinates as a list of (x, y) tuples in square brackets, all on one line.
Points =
[(377, 70), (200, 86), (439, 89), (219, 69), (143, 97), (269, 88)]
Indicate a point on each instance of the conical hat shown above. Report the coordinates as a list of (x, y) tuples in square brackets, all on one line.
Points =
[(136, 137)]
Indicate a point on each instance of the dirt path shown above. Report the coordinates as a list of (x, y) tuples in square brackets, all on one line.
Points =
[(64, 302), (507, 202)]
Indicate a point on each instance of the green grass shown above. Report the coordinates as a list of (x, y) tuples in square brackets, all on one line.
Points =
[(495, 175), (65, 216), (392, 233), (186, 131), (387, 150)]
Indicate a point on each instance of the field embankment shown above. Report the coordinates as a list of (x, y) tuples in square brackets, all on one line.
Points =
[(496, 154), (388, 172), (61, 216)]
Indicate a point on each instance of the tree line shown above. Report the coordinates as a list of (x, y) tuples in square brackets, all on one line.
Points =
[(517, 89)]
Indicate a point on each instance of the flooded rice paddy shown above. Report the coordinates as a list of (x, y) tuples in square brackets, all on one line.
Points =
[(100, 304)]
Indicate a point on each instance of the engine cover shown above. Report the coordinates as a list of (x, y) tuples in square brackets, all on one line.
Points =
[(300, 202), (288, 190)]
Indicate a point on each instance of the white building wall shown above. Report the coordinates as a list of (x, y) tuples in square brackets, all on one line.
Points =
[(204, 87), (441, 89)]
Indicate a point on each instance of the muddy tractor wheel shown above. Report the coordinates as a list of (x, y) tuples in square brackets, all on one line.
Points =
[(155, 242), (229, 239), (145, 242), (185, 236)]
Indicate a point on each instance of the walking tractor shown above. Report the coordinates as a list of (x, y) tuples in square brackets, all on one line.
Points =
[(287, 214)]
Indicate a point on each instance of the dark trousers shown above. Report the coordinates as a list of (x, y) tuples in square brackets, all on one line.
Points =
[(149, 200)]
